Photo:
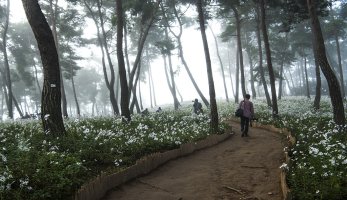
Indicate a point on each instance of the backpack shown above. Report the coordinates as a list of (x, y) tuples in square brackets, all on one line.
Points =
[(239, 111)]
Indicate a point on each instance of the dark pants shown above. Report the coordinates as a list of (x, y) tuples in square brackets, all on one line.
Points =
[(244, 125)]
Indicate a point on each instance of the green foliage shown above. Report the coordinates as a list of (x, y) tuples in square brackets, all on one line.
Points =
[(295, 11), (36, 166), (319, 158)]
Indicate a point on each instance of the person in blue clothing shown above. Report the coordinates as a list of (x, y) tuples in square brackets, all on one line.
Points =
[(248, 112)]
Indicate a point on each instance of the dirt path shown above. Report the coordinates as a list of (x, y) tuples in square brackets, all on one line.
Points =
[(238, 168)]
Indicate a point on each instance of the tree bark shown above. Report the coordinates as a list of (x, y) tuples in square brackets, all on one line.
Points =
[(51, 96), (237, 75), (134, 101), (183, 60), (140, 96), (53, 16), (213, 107), (333, 83), (230, 74), (19, 110), (125, 112), (141, 43), (152, 86), (172, 77), (113, 99), (268, 59), (280, 85), (239, 48), (306, 79), (317, 98), (7, 71), (221, 65), (248, 50), (75, 97), (260, 52), (342, 82), (100, 41), (176, 102)]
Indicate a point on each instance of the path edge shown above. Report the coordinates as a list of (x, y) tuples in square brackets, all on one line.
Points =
[(99, 186), (291, 140)]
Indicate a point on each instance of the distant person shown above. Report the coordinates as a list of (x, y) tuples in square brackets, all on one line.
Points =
[(197, 107), (26, 116), (159, 110), (145, 112), (248, 113)]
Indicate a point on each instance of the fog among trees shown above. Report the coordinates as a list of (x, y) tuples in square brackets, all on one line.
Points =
[(74, 58)]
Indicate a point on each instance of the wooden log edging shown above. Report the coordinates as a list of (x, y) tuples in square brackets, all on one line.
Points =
[(98, 187), (286, 192)]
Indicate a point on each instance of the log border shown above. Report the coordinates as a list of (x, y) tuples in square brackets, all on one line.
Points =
[(291, 140), (99, 186)]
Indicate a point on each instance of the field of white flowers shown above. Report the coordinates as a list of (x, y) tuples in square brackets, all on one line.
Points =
[(36, 166)]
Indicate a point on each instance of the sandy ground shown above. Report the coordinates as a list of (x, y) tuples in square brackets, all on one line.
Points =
[(238, 168)]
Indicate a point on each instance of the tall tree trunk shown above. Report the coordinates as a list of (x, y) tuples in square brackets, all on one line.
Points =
[(140, 96), (100, 42), (180, 95), (53, 16), (237, 76), (4, 89), (134, 100), (125, 112), (248, 50), (239, 47), (221, 65), (2, 106), (152, 86), (333, 83), (280, 85), (306, 78), (342, 82), (317, 98), (230, 74), (183, 60), (280, 88), (176, 102), (268, 59), (19, 110), (141, 43), (287, 81), (126, 54), (110, 64), (213, 107), (51, 96), (150, 89), (172, 77), (75, 97), (260, 52), (7, 71)]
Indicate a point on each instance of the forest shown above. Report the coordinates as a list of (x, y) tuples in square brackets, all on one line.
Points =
[(81, 81)]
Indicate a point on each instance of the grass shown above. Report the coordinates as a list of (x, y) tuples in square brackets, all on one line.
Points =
[(36, 166)]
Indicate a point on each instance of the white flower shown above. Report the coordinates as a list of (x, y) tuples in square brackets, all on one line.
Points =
[(3, 157), (284, 166)]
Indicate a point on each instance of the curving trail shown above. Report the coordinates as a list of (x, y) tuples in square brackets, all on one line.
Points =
[(238, 168)]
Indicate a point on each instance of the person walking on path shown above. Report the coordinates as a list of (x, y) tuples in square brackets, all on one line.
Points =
[(248, 112)]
